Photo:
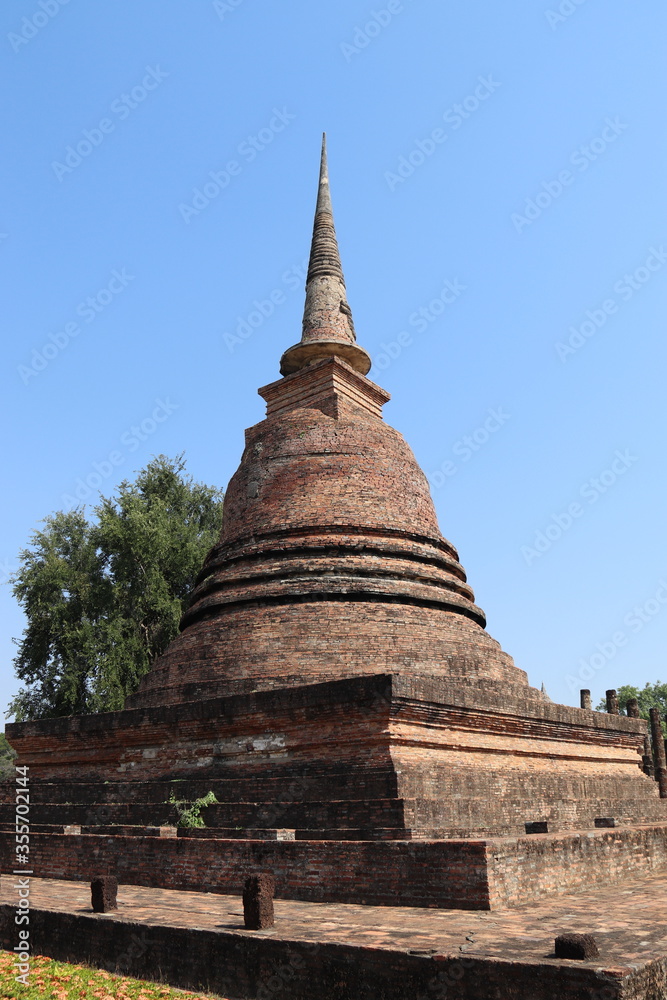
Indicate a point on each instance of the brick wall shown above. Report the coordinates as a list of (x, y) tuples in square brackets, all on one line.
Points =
[(530, 867), (454, 874), (243, 965), (382, 873)]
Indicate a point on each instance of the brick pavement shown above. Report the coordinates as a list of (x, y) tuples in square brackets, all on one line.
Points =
[(630, 924)]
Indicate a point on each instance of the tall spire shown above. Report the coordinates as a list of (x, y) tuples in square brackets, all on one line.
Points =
[(327, 318), (324, 254), (323, 191)]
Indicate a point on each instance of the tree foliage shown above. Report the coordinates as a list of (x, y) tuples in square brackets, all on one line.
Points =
[(650, 696), (103, 598), (7, 757)]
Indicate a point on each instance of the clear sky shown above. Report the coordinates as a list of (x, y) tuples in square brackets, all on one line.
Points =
[(497, 173)]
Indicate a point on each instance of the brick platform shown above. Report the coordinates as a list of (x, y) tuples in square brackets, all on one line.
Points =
[(383, 790), (368, 758), (338, 952)]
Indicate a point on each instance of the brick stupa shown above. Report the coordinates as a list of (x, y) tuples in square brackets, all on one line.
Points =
[(334, 686)]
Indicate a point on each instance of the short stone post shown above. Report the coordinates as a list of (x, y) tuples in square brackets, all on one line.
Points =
[(103, 893), (659, 751), (585, 698), (612, 702), (579, 946), (647, 759), (258, 901), (633, 708)]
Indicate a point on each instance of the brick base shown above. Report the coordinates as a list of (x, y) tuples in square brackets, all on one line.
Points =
[(281, 967), (371, 758)]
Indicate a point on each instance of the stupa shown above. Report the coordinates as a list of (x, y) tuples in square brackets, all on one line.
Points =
[(335, 687), (330, 562)]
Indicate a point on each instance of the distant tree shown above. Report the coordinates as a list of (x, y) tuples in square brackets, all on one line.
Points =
[(103, 598), (7, 756), (650, 696)]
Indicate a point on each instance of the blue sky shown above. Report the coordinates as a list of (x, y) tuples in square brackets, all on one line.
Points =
[(497, 175)]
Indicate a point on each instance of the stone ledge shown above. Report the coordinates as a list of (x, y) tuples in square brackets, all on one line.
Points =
[(386, 686)]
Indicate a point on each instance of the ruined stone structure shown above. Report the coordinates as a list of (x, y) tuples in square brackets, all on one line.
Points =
[(334, 685)]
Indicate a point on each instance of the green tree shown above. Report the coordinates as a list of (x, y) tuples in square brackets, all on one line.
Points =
[(7, 757), (103, 598), (650, 696)]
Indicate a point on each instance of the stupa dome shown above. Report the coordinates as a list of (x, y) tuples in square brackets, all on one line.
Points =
[(330, 562)]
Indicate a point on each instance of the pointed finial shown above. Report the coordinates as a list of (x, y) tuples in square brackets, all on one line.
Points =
[(327, 319), (324, 193)]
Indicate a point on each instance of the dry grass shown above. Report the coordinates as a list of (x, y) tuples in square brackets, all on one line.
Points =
[(50, 980)]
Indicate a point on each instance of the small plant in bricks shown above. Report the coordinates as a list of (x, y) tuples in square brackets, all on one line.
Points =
[(188, 811)]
